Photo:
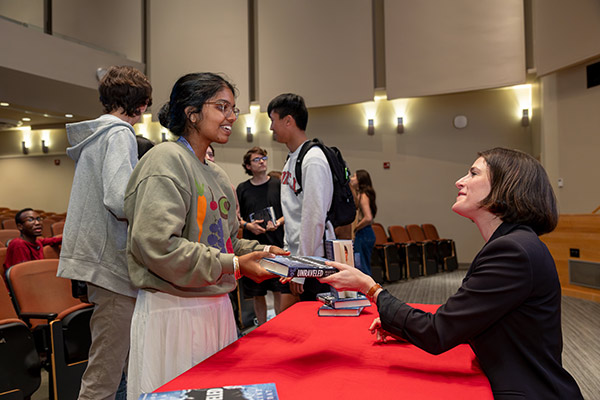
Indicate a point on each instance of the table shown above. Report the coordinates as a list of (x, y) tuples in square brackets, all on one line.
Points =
[(311, 357)]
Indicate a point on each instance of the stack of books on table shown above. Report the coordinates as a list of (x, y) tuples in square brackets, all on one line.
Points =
[(335, 306)]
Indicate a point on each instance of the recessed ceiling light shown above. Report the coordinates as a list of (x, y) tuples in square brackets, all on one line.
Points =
[(26, 119), (3, 104), (69, 115), (46, 115)]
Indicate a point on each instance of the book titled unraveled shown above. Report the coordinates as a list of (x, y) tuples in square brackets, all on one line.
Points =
[(326, 311), (262, 391), (298, 266), (329, 299)]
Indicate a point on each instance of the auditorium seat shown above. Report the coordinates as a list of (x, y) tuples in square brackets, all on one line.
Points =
[(446, 247), (20, 366), (57, 228), (60, 323), (388, 256), (8, 234), (9, 223), (412, 251), (429, 253), (47, 226)]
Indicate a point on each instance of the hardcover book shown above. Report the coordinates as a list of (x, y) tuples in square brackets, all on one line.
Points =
[(263, 391), (265, 215), (326, 311), (298, 266), (342, 251), (338, 303)]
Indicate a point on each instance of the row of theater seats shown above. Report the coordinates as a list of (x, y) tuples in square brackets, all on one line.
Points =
[(41, 326), (410, 252)]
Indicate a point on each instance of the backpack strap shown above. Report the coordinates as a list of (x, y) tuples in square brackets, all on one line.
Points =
[(298, 168)]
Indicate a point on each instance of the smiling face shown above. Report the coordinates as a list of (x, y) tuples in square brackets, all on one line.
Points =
[(214, 126), (472, 189)]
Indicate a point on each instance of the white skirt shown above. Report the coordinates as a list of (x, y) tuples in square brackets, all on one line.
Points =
[(171, 334)]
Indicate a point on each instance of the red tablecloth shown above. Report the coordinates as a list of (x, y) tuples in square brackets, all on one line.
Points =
[(311, 357)]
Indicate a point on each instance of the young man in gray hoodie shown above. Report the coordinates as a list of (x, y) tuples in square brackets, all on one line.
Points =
[(95, 232)]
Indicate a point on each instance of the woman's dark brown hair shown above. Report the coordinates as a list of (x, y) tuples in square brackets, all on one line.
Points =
[(520, 190), (365, 186)]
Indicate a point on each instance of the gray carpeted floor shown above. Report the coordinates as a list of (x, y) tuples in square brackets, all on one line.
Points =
[(580, 321)]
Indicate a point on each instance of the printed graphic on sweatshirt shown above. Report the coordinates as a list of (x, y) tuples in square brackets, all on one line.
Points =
[(216, 237), (288, 179)]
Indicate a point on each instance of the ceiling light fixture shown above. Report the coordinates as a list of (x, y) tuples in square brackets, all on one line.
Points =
[(69, 115), (3, 104)]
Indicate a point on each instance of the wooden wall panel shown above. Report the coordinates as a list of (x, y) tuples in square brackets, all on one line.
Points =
[(579, 231)]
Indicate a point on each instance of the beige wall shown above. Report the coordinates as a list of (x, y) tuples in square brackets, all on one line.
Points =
[(87, 21), (571, 125), (425, 161), (36, 182)]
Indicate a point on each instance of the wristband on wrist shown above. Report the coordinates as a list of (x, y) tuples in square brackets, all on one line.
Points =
[(236, 268), (372, 291), (267, 248), (244, 225)]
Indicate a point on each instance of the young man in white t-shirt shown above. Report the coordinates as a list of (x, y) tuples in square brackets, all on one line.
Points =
[(305, 213)]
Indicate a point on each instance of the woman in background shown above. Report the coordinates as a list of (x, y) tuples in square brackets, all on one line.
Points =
[(364, 237), (183, 250), (508, 306)]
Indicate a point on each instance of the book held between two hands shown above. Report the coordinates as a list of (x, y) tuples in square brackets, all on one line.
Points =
[(262, 391), (326, 311), (298, 266), (265, 215), (330, 300)]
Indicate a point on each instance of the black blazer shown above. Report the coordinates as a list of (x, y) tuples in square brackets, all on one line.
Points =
[(507, 309)]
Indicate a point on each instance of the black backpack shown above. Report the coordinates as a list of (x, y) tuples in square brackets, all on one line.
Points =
[(343, 209)]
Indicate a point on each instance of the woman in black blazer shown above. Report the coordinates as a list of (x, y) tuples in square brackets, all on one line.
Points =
[(508, 306)]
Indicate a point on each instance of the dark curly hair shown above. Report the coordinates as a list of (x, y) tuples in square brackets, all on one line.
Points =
[(125, 87)]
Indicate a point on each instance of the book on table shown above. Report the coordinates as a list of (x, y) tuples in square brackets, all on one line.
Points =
[(342, 251), (298, 266), (262, 391), (329, 299), (326, 311)]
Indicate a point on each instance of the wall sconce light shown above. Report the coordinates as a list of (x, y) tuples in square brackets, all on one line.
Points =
[(24, 147), (400, 125), (371, 127), (249, 136), (44, 147), (525, 119)]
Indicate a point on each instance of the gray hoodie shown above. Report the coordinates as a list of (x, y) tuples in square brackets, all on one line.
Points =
[(95, 232)]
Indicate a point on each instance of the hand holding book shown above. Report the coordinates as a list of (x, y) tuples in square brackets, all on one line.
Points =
[(349, 278), (250, 264)]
